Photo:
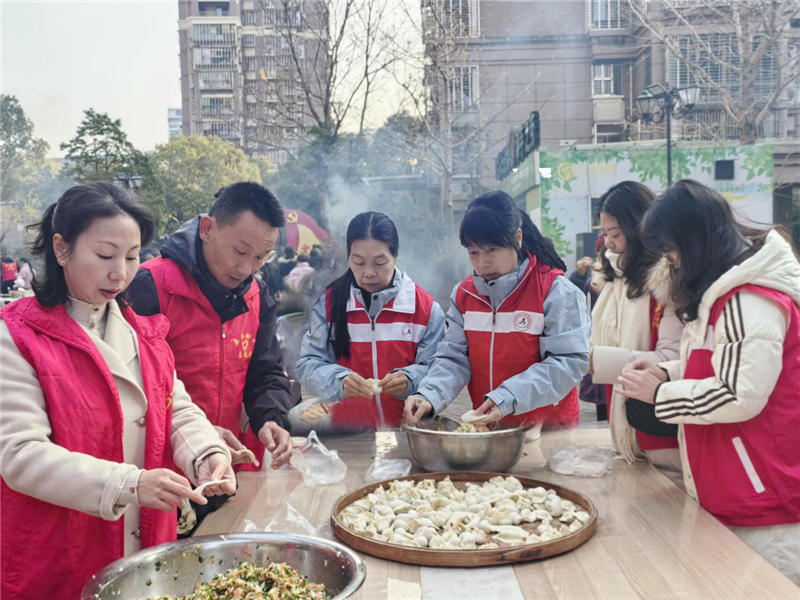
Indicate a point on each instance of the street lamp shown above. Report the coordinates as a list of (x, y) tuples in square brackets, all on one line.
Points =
[(657, 103), (132, 182)]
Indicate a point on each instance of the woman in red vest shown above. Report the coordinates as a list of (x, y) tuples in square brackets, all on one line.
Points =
[(633, 320), (734, 392), (518, 329), (373, 323), (94, 420)]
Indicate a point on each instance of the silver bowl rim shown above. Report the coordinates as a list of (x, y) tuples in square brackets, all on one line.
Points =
[(509, 432), (93, 585)]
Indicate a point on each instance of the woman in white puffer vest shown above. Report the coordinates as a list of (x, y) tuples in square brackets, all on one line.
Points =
[(632, 320)]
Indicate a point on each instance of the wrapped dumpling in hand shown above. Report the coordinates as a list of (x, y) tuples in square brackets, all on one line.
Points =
[(375, 386)]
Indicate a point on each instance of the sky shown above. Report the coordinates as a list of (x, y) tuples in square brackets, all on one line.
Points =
[(61, 57)]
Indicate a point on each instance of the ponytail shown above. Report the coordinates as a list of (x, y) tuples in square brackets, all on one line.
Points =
[(338, 334), (52, 288), (533, 242)]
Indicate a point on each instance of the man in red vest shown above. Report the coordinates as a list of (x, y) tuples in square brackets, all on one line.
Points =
[(223, 319), (9, 266)]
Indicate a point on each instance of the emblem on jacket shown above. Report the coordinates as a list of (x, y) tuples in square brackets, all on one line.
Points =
[(245, 343), (407, 332), (522, 321)]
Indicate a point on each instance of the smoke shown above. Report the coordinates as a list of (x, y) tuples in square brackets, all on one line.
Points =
[(429, 254)]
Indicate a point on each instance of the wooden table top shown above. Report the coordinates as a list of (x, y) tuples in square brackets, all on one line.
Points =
[(652, 541)]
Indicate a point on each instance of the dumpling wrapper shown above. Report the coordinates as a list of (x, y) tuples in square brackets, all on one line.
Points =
[(201, 488), (471, 416)]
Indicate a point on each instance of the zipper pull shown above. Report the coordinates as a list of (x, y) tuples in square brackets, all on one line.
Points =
[(223, 331), (373, 325), (494, 317)]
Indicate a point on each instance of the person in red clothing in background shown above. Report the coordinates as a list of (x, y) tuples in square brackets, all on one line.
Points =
[(223, 320), (9, 273)]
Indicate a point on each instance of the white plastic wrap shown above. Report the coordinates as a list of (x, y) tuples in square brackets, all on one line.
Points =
[(581, 461), (317, 464), (387, 468), (287, 520)]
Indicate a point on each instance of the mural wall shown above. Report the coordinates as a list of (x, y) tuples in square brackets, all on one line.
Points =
[(576, 177)]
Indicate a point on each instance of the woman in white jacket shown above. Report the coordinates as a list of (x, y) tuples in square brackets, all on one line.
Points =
[(632, 320), (734, 391)]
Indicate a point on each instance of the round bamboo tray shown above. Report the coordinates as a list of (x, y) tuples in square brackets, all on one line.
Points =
[(464, 558)]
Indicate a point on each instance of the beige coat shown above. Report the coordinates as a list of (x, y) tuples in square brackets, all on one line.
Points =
[(31, 464), (621, 332)]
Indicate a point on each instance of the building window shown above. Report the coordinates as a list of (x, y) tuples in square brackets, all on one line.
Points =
[(607, 133), (250, 63), (459, 17), (606, 79), (717, 54), (723, 170), (249, 39), (214, 58), (464, 88), (648, 70), (248, 17), (214, 35), (607, 14), (222, 80), (216, 107), (271, 44), (222, 129)]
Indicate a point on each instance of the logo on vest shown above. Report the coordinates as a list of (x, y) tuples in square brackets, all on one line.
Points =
[(245, 342), (522, 321), (407, 332)]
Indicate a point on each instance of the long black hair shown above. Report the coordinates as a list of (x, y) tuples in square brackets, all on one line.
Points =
[(73, 214), (698, 223), (628, 202), (493, 219), (364, 226)]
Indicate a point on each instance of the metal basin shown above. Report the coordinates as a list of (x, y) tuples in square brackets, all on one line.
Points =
[(436, 447), (177, 567)]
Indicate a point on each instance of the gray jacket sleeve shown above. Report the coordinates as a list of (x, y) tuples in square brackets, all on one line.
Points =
[(564, 349), (449, 371), (434, 333), (318, 370)]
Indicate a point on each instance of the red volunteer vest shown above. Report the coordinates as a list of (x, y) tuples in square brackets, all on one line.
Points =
[(211, 357), (378, 348), (646, 440), (748, 474), (505, 343), (49, 551), (9, 271)]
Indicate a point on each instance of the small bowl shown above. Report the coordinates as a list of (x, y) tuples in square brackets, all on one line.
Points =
[(436, 447), (175, 568)]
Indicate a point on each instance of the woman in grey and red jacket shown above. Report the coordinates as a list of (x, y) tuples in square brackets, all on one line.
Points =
[(518, 330), (734, 391), (372, 323)]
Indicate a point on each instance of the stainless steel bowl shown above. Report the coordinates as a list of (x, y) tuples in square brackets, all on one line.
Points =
[(436, 447), (176, 568)]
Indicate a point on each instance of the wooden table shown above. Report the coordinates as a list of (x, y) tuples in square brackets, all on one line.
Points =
[(652, 541)]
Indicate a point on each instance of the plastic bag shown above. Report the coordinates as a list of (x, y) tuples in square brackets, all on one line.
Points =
[(317, 464), (287, 520), (581, 461), (387, 468)]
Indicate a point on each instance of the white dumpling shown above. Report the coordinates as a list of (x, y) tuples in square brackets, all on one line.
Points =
[(553, 506), (568, 517), (567, 506), (543, 528), (375, 386), (437, 542), (575, 525), (427, 532), (399, 506), (382, 523), (533, 539), (510, 534), (537, 495), (459, 517), (439, 501), (421, 541), (470, 416), (515, 517), (512, 484), (468, 540), (403, 525), (583, 516), (489, 546)]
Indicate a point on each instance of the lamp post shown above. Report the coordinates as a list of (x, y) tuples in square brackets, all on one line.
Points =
[(131, 182), (657, 103)]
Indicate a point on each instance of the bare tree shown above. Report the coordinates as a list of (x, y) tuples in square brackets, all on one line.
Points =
[(743, 54), (441, 91)]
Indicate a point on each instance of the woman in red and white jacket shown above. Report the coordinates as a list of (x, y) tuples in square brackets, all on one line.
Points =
[(734, 391), (518, 329), (371, 323), (632, 320), (94, 420)]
